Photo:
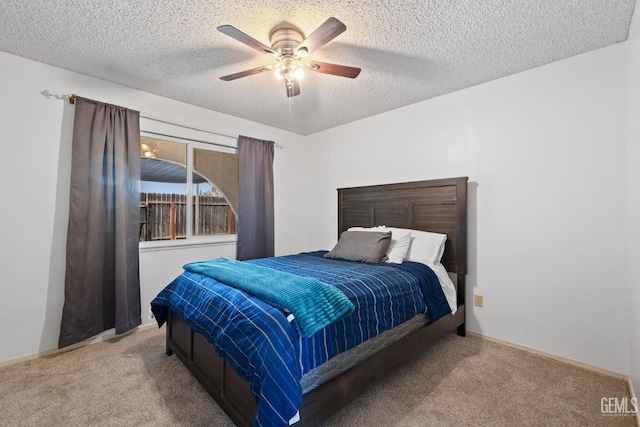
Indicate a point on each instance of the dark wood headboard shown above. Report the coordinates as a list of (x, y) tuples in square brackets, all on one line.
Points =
[(439, 206)]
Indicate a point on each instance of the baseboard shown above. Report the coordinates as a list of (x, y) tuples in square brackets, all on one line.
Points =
[(106, 337), (551, 356), (632, 390)]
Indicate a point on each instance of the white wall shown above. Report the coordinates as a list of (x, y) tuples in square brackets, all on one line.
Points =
[(633, 196), (545, 154), (35, 136), (544, 150)]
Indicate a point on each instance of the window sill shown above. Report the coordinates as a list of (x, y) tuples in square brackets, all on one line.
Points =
[(194, 242)]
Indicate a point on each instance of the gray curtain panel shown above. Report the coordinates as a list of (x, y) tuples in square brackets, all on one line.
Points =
[(102, 284), (255, 198)]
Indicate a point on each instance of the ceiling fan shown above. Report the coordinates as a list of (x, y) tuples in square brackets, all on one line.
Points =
[(290, 49)]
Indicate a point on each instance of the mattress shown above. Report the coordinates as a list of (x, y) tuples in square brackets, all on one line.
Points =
[(346, 360)]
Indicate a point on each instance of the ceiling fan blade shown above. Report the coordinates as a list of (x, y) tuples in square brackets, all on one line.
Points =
[(293, 91), (334, 69), (235, 33), (330, 29), (246, 73)]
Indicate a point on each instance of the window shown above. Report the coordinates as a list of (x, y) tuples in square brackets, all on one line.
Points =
[(187, 190)]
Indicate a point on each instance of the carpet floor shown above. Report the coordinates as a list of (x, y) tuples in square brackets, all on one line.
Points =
[(129, 381)]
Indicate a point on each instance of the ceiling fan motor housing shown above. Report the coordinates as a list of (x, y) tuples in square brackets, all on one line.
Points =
[(286, 40)]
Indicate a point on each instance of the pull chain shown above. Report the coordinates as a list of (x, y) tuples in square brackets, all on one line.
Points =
[(290, 100)]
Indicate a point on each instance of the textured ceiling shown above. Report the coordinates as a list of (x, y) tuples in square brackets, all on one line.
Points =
[(409, 51)]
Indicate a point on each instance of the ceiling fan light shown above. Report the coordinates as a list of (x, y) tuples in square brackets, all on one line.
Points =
[(298, 74), (278, 74)]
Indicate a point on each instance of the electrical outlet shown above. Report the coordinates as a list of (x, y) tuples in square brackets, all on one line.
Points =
[(478, 300)]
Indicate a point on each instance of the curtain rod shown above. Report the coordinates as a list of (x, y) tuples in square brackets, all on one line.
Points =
[(73, 96), (189, 139), (72, 100)]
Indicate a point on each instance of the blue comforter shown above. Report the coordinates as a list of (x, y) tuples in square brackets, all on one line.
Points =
[(266, 350)]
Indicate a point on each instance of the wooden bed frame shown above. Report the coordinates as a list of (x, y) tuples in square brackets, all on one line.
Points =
[(435, 205)]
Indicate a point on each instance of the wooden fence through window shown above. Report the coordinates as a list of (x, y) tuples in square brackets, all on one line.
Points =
[(163, 216)]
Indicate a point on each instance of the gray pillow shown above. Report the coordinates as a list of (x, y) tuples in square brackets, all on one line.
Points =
[(362, 246)]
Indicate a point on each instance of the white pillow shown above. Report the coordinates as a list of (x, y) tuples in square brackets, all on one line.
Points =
[(399, 247), (376, 228), (400, 242), (426, 247)]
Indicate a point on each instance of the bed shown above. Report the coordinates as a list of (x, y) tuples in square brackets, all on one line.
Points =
[(438, 206)]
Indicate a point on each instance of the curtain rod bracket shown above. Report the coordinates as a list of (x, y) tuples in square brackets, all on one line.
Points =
[(47, 94)]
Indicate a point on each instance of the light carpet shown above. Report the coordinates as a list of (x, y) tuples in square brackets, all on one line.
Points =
[(129, 381)]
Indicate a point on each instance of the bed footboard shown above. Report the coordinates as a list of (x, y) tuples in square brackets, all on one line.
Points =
[(230, 392), (233, 394)]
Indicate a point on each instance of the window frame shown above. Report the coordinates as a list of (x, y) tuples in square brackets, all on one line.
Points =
[(190, 240)]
